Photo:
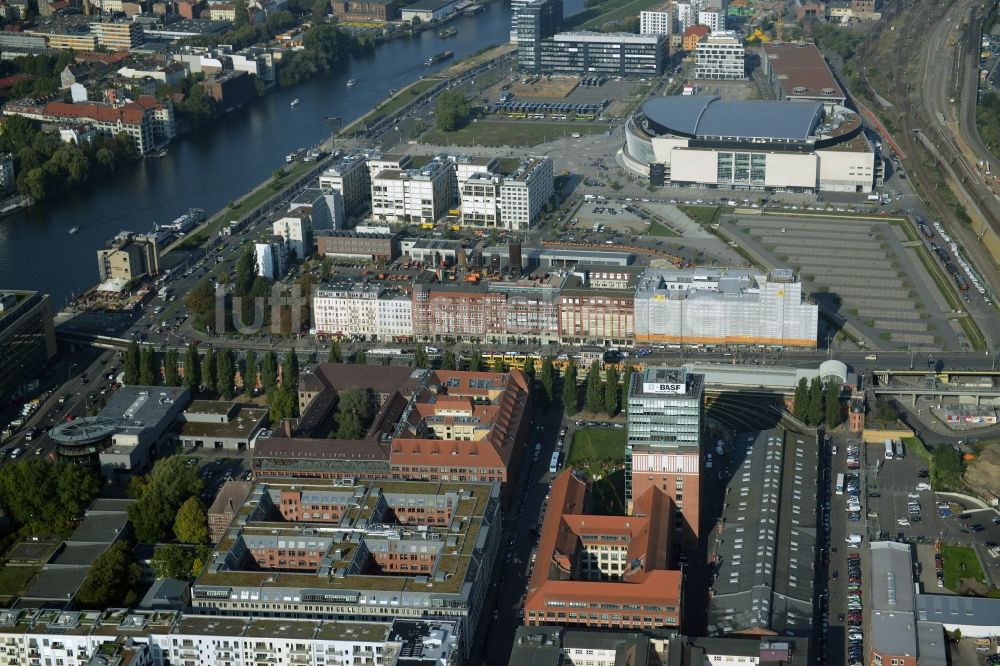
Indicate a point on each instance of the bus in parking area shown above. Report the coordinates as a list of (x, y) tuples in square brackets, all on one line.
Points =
[(554, 463), (888, 449), (839, 489)]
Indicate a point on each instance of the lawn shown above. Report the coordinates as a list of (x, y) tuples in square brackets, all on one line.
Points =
[(704, 215), (510, 133), (405, 96), (597, 445), (14, 578), (960, 562), (600, 454), (657, 229)]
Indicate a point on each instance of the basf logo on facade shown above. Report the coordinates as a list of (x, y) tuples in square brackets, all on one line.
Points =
[(657, 387)]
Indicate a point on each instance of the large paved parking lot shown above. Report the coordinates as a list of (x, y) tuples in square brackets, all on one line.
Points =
[(864, 270)]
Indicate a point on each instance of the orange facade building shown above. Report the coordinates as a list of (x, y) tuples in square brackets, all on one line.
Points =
[(604, 572)]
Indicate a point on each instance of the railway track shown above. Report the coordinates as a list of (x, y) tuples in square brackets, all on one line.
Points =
[(922, 136)]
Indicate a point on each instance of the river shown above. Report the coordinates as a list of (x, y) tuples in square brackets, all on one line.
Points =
[(216, 164)]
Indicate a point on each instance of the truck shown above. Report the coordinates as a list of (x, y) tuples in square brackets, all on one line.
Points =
[(164, 293), (874, 197)]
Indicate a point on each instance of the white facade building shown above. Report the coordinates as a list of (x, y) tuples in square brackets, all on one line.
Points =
[(117, 637), (481, 200), (363, 309), (349, 176), (296, 229), (524, 194), (421, 195), (271, 257), (349, 309), (655, 22), (715, 306), (720, 55), (394, 317), (685, 16), (715, 19), (326, 209)]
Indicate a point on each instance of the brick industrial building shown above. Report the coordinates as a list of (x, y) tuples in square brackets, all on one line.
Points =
[(430, 425), (604, 572)]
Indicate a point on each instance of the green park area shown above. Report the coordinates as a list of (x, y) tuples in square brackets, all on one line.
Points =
[(599, 453), (510, 133), (960, 564)]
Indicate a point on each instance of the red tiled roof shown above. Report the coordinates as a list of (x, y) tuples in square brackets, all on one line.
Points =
[(700, 30), (129, 114), (564, 525), (9, 81)]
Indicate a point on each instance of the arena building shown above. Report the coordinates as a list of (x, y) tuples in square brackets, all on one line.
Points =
[(705, 141)]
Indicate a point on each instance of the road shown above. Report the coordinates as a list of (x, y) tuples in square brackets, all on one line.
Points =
[(929, 122)]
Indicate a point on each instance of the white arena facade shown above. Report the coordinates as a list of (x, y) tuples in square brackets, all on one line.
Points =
[(707, 142)]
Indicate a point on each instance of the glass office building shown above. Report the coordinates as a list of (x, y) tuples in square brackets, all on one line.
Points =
[(27, 339)]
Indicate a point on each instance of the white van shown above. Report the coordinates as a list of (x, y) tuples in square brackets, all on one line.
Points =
[(923, 485), (871, 357), (854, 539)]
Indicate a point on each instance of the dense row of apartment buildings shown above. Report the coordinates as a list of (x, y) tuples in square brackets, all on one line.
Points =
[(119, 637), (399, 191), (588, 305)]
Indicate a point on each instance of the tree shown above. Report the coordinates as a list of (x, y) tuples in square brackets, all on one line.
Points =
[(290, 370), (245, 272), (547, 379), (334, 355), (112, 579), (420, 357), (360, 358), (499, 365), (280, 403), (832, 418), (201, 301), (529, 373), (175, 479), (208, 370), (192, 369), (594, 401), (147, 367), (269, 371), (571, 394), (42, 497), (626, 383), (475, 362), (191, 524), (611, 397), (171, 376), (225, 374), (801, 405), (173, 561), (450, 361), (815, 412), (325, 269), (249, 374), (353, 413), (131, 366), (452, 110)]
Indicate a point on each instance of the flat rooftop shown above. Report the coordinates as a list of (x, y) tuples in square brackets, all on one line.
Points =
[(802, 71)]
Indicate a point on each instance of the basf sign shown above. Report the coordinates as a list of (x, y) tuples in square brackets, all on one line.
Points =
[(656, 387)]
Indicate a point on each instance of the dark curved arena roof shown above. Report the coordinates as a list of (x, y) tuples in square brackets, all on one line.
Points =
[(709, 116)]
